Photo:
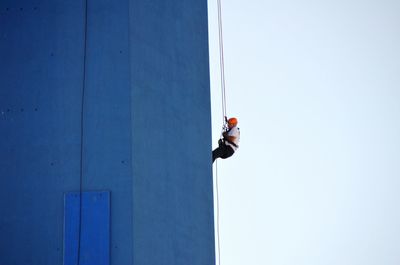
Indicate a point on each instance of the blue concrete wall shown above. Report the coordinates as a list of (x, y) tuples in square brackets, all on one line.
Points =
[(40, 90), (171, 141), (146, 126)]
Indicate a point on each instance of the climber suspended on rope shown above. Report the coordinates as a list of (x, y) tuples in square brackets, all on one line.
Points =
[(229, 142)]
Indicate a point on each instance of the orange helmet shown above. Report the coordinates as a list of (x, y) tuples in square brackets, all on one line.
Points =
[(232, 121)]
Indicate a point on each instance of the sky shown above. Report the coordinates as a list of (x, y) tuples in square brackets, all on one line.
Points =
[(315, 86)]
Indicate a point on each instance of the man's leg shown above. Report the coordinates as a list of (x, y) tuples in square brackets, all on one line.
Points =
[(218, 152), (223, 151), (228, 152)]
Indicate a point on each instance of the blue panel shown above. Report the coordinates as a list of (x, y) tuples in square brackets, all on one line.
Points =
[(71, 228), (95, 228)]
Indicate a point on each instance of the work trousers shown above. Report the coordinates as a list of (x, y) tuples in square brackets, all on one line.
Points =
[(223, 151)]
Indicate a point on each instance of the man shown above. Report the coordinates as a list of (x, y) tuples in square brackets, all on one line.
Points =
[(229, 144)]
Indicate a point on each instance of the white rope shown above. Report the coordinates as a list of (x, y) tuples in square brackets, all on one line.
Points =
[(221, 60), (217, 202), (223, 92)]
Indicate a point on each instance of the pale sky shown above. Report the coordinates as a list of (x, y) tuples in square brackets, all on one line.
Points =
[(315, 86)]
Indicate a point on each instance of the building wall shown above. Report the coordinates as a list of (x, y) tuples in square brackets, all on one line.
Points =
[(129, 114)]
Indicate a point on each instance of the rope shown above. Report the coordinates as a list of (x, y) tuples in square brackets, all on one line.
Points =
[(217, 199), (82, 132), (221, 60), (223, 93)]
